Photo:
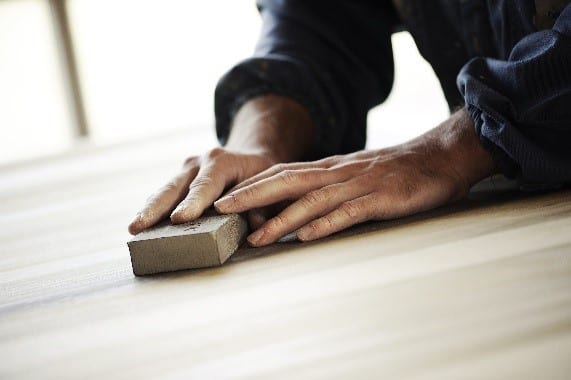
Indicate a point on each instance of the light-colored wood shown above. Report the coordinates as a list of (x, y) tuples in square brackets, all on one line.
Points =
[(479, 289)]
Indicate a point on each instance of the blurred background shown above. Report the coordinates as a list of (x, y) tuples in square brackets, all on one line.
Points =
[(101, 72)]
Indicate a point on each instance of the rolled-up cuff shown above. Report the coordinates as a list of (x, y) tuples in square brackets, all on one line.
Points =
[(505, 164), (520, 119), (279, 75)]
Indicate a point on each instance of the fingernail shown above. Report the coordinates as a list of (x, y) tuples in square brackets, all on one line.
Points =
[(223, 202), (256, 237), (180, 208), (304, 234), (137, 219), (134, 225), (185, 213), (177, 216)]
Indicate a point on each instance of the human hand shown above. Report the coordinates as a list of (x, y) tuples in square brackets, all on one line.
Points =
[(266, 130), (201, 181), (337, 192)]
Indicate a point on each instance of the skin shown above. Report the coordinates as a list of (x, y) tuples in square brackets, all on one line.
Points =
[(265, 131), (320, 197)]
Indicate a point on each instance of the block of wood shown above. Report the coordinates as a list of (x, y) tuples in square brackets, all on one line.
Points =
[(206, 242)]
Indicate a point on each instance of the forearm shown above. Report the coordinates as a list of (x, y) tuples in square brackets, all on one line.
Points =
[(275, 126)]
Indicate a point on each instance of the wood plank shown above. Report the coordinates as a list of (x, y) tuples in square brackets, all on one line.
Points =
[(479, 289)]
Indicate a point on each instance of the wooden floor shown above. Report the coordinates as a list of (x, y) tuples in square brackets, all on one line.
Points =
[(477, 290)]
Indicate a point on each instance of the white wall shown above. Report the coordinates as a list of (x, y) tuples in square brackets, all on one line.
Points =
[(150, 66)]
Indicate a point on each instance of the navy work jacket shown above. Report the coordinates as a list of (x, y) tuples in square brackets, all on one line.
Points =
[(507, 61)]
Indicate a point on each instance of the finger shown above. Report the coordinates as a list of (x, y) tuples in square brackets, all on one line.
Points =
[(289, 184), (323, 163), (309, 207), (208, 184), (276, 169), (159, 205), (347, 214)]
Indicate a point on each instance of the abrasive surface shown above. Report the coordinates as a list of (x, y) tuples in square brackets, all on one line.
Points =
[(207, 241)]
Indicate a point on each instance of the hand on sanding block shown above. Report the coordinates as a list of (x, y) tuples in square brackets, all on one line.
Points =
[(207, 241)]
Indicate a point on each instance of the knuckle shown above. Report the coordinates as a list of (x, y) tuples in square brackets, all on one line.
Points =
[(215, 153), (288, 177), (327, 223), (333, 160), (279, 167), (190, 162), (279, 221), (314, 226), (201, 182), (314, 198), (169, 187), (351, 209), (249, 193)]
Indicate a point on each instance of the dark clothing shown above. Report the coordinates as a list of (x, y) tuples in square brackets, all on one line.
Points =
[(507, 61)]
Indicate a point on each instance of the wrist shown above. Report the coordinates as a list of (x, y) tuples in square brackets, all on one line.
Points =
[(467, 156), (460, 152), (276, 127)]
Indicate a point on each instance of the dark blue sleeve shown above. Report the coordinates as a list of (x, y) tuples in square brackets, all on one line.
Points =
[(521, 107), (332, 56)]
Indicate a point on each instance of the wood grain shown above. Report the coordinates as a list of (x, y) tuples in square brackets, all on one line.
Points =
[(478, 289)]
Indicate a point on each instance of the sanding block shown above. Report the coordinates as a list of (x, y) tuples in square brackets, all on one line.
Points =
[(206, 242)]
